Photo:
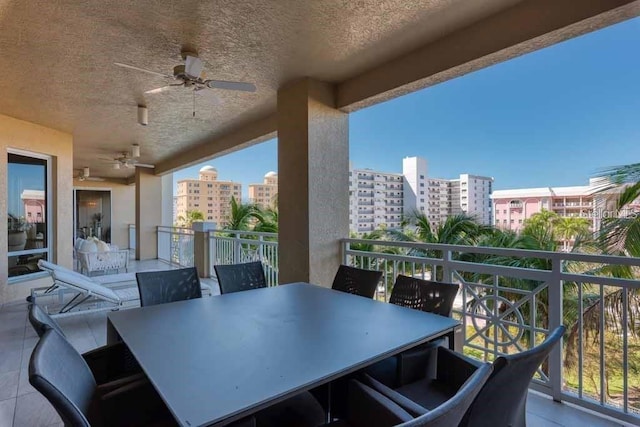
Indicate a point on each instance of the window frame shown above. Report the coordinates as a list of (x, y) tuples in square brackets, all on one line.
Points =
[(50, 215)]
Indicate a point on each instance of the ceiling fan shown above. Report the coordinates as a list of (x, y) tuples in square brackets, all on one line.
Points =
[(128, 160), (190, 75), (84, 174)]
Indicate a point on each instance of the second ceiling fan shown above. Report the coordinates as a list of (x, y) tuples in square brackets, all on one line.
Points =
[(128, 160)]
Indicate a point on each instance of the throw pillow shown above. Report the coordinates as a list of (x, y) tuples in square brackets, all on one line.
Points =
[(102, 246), (88, 246)]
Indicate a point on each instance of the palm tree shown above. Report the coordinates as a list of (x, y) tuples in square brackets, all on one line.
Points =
[(570, 228), (458, 229), (620, 232), (267, 219), (189, 218), (241, 215)]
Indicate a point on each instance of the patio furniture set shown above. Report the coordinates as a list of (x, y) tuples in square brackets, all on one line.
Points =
[(289, 355), (95, 256)]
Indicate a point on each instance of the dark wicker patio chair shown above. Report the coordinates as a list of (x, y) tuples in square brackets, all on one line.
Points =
[(107, 363), (425, 295), (240, 277), (62, 376), (356, 281), (503, 399), (160, 287), (372, 404), (419, 294)]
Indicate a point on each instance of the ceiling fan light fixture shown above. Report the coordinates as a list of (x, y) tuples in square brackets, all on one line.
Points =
[(135, 150), (143, 115), (116, 165)]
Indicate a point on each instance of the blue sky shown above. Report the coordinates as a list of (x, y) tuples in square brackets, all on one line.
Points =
[(550, 118)]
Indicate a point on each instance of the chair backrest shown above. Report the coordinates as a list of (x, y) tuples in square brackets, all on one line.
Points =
[(508, 385), (41, 321), (240, 277), (356, 281), (451, 412), (160, 287), (425, 295), (62, 376)]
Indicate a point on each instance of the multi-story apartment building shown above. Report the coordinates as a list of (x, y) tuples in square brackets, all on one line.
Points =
[(207, 195), (414, 170), (379, 199), (265, 194), (475, 197), (375, 200), (440, 198), (512, 207)]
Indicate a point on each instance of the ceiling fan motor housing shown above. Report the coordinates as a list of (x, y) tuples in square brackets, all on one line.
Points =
[(179, 72)]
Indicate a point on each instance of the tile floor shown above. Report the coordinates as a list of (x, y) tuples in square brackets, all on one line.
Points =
[(22, 406)]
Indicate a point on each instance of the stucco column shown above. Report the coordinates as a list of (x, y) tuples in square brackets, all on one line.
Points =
[(313, 182), (148, 213)]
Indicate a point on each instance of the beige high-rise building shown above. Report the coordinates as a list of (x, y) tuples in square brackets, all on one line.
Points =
[(207, 195), (264, 195)]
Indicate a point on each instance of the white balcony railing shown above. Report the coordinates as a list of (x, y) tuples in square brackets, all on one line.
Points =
[(175, 245), (507, 309), (132, 237), (233, 247)]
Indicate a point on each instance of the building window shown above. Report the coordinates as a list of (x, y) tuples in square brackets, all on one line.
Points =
[(28, 212)]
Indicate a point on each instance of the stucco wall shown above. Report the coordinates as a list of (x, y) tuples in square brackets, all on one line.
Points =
[(123, 207), (27, 136)]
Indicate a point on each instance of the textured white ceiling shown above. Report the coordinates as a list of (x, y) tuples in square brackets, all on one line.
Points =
[(56, 63)]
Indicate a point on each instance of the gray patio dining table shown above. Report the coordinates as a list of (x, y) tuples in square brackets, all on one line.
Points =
[(215, 360)]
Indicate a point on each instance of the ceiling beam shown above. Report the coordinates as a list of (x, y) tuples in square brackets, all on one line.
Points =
[(527, 26), (238, 139)]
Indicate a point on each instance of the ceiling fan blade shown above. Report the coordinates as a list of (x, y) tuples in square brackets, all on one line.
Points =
[(144, 165), (131, 67), (222, 84), (163, 88), (193, 66), (94, 178)]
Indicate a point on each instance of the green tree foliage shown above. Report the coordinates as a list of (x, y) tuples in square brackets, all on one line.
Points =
[(242, 216), (620, 232), (189, 218)]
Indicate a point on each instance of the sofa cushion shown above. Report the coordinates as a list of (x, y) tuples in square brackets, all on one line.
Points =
[(102, 246), (88, 246)]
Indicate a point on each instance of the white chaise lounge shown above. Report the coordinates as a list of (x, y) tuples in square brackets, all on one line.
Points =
[(88, 294)]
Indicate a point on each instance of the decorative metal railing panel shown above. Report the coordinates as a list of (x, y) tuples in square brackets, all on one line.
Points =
[(510, 300), (233, 247), (175, 245)]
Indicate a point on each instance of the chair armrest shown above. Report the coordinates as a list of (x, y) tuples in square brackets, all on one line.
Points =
[(369, 408), (111, 362), (417, 364), (405, 403), (454, 368)]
